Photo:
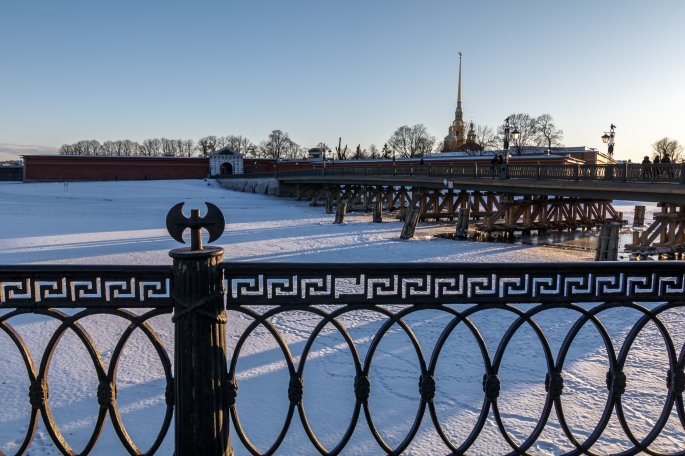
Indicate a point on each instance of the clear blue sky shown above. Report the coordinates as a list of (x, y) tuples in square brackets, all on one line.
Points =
[(318, 70)]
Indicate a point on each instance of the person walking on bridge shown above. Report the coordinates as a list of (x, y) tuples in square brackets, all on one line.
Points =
[(656, 167), (646, 168), (666, 160)]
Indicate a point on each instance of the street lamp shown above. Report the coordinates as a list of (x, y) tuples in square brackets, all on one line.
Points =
[(608, 138), (508, 133)]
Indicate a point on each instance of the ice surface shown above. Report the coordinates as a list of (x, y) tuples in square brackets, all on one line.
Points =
[(123, 223)]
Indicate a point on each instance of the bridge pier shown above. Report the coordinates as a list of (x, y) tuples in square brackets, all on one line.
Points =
[(506, 213), (526, 213), (667, 232)]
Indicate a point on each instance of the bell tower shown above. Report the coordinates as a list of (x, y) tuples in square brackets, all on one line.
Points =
[(456, 136)]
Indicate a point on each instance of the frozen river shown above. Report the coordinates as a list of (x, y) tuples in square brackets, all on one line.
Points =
[(123, 223)]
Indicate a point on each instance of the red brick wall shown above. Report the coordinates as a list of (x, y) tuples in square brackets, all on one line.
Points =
[(83, 168)]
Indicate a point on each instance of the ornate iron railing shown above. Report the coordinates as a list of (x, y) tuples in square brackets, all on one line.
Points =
[(399, 292), (49, 291), (200, 288)]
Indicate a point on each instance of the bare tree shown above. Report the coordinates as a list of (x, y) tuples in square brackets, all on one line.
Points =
[(411, 141), (108, 148), (486, 137), (151, 147), (341, 154), (241, 144), (206, 145), (187, 147), (527, 128), (129, 147), (386, 152), (359, 153), (668, 146), (220, 142), (547, 133), (277, 145), (168, 147), (293, 150), (87, 147), (373, 151), (66, 149)]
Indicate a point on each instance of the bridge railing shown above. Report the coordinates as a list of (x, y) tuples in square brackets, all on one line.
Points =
[(620, 172), (311, 312)]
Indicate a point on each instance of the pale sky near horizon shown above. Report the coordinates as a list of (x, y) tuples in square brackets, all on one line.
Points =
[(320, 70)]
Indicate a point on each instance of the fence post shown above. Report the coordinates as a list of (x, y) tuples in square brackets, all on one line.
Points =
[(462, 231), (639, 218), (329, 204), (340, 212), (411, 219), (378, 211), (200, 375), (607, 244)]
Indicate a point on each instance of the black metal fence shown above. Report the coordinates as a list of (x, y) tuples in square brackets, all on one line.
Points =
[(202, 389), (11, 173)]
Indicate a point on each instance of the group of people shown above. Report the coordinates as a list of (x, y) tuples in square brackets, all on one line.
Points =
[(649, 170)]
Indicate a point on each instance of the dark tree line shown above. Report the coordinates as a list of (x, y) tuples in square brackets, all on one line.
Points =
[(405, 142), (277, 145)]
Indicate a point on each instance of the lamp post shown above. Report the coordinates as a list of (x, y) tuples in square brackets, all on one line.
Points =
[(608, 138), (323, 167), (508, 133)]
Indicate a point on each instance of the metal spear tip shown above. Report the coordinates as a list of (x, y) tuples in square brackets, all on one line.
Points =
[(213, 222)]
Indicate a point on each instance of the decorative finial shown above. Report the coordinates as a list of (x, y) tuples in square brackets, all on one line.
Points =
[(213, 222)]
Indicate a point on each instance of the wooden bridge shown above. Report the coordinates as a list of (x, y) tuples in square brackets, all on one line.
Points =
[(507, 198), (631, 182)]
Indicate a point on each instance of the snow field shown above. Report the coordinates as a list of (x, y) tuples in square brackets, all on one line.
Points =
[(122, 223)]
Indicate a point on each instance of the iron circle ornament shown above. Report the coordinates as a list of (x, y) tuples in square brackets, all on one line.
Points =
[(261, 320), (331, 318)]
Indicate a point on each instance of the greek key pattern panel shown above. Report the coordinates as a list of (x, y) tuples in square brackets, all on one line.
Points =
[(397, 287), (75, 289)]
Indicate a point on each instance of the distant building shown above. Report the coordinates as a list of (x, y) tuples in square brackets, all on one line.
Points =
[(315, 153), (566, 155), (585, 154), (225, 162)]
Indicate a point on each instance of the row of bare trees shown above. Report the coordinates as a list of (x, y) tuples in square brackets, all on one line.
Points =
[(407, 141), (147, 148), (277, 145)]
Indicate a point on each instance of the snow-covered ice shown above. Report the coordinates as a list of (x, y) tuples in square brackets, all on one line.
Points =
[(123, 223)]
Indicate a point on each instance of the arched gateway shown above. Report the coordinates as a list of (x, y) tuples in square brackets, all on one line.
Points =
[(225, 162)]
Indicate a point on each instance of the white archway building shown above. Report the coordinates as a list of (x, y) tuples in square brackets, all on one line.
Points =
[(225, 161)]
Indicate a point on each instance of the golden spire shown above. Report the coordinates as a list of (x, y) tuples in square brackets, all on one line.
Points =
[(459, 91)]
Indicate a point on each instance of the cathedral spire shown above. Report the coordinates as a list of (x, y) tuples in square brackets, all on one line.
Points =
[(459, 90)]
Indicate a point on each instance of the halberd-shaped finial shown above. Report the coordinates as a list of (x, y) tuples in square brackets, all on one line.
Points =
[(213, 222)]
